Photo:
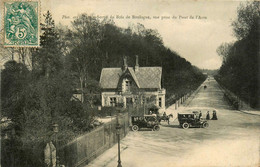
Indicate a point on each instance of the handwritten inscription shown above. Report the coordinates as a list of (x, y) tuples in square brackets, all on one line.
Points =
[(146, 17)]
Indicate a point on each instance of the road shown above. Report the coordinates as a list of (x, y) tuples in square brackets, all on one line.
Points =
[(232, 140)]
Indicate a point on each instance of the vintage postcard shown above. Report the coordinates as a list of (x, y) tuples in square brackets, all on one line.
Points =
[(142, 83)]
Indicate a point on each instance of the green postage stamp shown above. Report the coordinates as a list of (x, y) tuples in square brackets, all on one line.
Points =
[(21, 23)]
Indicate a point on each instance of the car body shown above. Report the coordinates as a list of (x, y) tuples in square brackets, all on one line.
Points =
[(187, 120), (146, 121)]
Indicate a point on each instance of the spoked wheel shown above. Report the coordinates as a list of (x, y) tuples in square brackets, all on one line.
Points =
[(156, 128), (205, 125), (185, 125), (135, 128)]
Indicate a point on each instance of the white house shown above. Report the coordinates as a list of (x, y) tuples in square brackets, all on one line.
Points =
[(127, 84)]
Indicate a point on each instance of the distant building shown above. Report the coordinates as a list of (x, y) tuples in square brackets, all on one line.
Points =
[(132, 85)]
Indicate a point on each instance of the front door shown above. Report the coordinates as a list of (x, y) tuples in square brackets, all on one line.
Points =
[(129, 101)]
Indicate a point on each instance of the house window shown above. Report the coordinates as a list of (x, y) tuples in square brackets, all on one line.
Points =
[(136, 100), (143, 100), (112, 101), (160, 102)]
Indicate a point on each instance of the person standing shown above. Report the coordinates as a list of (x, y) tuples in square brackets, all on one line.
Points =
[(214, 115), (208, 116), (200, 115)]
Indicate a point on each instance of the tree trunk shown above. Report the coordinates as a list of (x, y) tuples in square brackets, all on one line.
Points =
[(81, 88), (32, 61)]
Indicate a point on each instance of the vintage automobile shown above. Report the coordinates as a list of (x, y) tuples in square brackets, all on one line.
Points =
[(191, 120), (146, 121)]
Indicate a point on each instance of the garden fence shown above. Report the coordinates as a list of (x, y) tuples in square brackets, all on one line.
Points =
[(85, 148)]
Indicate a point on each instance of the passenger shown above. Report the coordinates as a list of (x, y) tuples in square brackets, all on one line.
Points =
[(150, 112), (208, 116)]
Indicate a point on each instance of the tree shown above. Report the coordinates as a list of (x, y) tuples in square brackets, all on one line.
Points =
[(240, 67), (84, 58), (14, 79), (48, 59), (248, 17), (224, 50)]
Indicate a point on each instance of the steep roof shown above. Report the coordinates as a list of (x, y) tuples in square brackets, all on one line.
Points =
[(145, 77)]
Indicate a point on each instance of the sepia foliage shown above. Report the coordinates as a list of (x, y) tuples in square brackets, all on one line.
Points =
[(224, 50), (247, 19), (70, 60), (240, 68)]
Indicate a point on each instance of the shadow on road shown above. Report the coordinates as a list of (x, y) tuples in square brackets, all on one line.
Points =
[(145, 129), (248, 125), (171, 126), (178, 126)]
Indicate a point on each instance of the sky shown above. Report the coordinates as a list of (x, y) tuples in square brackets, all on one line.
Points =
[(193, 29)]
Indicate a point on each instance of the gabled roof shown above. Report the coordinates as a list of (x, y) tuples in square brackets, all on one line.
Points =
[(132, 72), (145, 77), (109, 77)]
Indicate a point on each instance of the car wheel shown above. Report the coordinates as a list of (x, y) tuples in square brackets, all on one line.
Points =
[(205, 125), (185, 125), (156, 128), (135, 128)]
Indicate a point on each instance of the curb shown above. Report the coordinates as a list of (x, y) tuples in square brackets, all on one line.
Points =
[(249, 112), (245, 112)]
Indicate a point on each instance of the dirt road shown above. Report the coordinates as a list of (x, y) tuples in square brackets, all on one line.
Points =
[(232, 140)]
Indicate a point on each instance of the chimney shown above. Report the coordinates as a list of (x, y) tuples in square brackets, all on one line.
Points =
[(125, 63), (136, 63)]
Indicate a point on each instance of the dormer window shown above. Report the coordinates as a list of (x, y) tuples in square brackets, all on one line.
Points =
[(128, 85)]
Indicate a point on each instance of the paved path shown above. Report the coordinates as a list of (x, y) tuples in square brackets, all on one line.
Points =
[(233, 140)]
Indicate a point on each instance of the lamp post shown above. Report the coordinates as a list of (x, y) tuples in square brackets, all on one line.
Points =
[(55, 128), (118, 127)]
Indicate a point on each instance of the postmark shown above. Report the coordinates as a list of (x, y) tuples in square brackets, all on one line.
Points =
[(21, 23)]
